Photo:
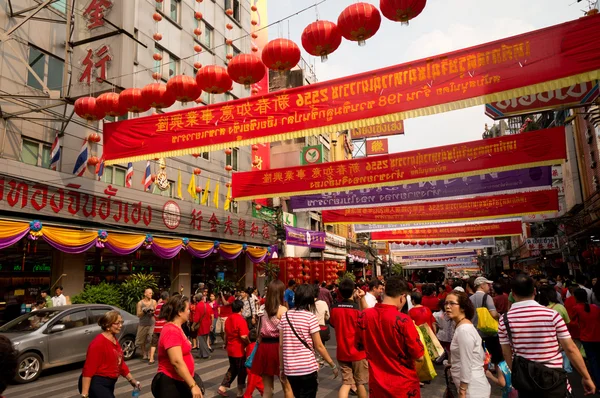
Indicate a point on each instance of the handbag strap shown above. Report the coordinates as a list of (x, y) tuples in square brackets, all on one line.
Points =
[(484, 300), (508, 331), (296, 333)]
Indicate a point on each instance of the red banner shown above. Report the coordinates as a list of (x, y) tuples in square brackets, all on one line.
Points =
[(487, 207), (544, 147), (533, 62), (511, 228), (261, 160), (378, 130), (377, 147)]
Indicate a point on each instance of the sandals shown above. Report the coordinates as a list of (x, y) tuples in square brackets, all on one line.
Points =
[(222, 393)]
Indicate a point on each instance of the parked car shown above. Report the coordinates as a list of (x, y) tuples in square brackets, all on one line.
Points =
[(61, 335)]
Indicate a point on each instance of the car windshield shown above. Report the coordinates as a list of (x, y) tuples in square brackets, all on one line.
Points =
[(29, 322)]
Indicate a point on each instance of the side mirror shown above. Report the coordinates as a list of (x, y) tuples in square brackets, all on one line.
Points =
[(57, 328)]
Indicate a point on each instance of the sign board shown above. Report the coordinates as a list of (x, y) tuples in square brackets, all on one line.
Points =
[(377, 147), (289, 219), (304, 237), (566, 97), (378, 130), (541, 243), (311, 155)]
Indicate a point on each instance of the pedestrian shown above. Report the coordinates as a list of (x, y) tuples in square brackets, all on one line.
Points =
[(158, 325), (482, 298), (266, 362), (503, 378), (324, 293), (46, 297), (466, 349), (445, 329), (500, 298), (226, 299), (299, 336), (236, 338), (214, 306), (534, 335), (202, 322), (392, 344), (8, 362), (421, 314), (175, 376), (59, 299), (548, 299), (192, 332), (254, 381), (104, 361), (570, 304), (430, 299), (39, 304), (344, 319), (145, 311), (374, 293), (249, 309), (442, 291), (588, 317), (289, 295), (322, 313)]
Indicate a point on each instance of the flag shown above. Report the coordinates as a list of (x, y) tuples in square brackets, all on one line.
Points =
[(216, 196), (228, 198), (82, 158), (55, 154), (204, 200), (191, 187), (147, 181), (129, 175), (179, 195), (100, 168)]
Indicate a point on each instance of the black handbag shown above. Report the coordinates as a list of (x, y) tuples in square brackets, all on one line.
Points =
[(533, 378), (451, 391)]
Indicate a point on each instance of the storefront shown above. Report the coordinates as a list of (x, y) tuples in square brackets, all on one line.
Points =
[(335, 250)]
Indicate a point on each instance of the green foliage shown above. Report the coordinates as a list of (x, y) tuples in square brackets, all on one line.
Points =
[(219, 285), (132, 290), (271, 271), (397, 269), (350, 276), (103, 293)]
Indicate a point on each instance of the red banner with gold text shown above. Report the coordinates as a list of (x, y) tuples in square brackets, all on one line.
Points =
[(539, 148), (487, 207), (488, 230), (533, 62)]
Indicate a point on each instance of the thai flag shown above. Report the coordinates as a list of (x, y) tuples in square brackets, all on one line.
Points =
[(100, 168), (147, 177), (82, 158), (129, 175), (55, 154)]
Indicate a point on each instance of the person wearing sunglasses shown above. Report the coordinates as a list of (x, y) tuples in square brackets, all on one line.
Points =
[(104, 361)]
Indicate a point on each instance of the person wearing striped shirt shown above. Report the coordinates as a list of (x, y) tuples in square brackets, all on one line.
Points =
[(538, 333)]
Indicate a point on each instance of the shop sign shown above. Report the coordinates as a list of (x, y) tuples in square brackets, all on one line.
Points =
[(335, 240), (378, 130), (95, 64), (557, 172), (261, 158), (567, 97), (311, 155), (541, 243), (289, 219), (265, 213), (377, 147), (304, 237)]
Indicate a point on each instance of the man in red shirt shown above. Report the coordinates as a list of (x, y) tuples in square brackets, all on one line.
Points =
[(158, 324), (236, 338), (392, 344)]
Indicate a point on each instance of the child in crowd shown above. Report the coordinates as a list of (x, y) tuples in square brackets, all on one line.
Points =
[(503, 379), (254, 381)]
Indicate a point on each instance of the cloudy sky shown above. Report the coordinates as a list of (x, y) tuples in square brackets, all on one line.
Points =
[(444, 25)]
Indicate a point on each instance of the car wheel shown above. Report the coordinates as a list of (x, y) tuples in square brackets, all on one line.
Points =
[(29, 368), (128, 347)]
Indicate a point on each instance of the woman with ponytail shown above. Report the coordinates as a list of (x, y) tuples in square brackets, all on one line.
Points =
[(588, 317)]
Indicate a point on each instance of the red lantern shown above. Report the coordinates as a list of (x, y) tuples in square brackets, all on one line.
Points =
[(92, 161), (197, 31), (258, 207), (197, 65), (453, 241), (228, 168), (321, 38), (306, 278), (255, 162), (229, 26), (94, 137), (254, 36), (157, 57), (228, 185), (198, 15), (197, 171), (132, 100), (586, 254), (359, 22), (157, 17), (228, 151), (229, 42), (281, 55), (430, 242), (198, 48), (183, 88), (214, 79), (401, 10), (254, 8), (198, 190), (254, 22), (254, 49), (255, 147), (157, 95), (86, 108), (246, 69), (156, 75), (108, 104), (229, 11), (196, 155), (157, 36)]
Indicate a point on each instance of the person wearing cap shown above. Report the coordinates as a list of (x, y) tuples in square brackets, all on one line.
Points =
[(481, 298)]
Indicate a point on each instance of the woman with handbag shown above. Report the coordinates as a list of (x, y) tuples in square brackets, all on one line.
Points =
[(175, 377), (201, 326), (466, 349), (299, 337)]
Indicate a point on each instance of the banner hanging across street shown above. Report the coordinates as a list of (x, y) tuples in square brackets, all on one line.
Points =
[(521, 179), (487, 230), (544, 201), (539, 148), (358, 228), (537, 61)]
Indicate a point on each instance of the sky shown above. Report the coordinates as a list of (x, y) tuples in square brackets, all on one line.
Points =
[(444, 25)]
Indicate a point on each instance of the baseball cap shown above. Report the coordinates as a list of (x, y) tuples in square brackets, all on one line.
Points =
[(481, 280), (459, 289)]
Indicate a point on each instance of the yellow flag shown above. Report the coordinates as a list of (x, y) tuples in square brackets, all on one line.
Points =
[(192, 187), (204, 200), (216, 196), (179, 195), (228, 198)]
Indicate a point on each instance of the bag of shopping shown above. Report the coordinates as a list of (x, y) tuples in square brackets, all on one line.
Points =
[(485, 321), (425, 369), (432, 343)]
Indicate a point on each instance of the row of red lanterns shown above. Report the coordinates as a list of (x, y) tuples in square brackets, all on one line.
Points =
[(435, 242)]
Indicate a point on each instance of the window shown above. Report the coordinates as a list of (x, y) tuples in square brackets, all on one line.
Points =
[(47, 67), (74, 320), (199, 198), (36, 153), (168, 66), (160, 6), (60, 5), (235, 6), (114, 175), (206, 98), (233, 207), (136, 36), (206, 155), (174, 10), (208, 33), (97, 313), (232, 159)]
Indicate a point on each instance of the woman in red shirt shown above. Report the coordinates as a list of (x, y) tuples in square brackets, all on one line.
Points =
[(430, 300), (175, 377), (588, 317), (104, 361), (202, 321), (421, 314)]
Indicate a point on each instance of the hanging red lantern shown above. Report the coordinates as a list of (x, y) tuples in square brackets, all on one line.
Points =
[(321, 38), (254, 8), (198, 190), (246, 69), (454, 241), (255, 147), (586, 254), (229, 57), (430, 242), (197, 31), (228, 151), (92, 161), (94, 137), (157, 57), (229, 42), (254, 91), (158, 96), (401, 10), (254, 22), (196, 155), (108, 104), (258, 207), (198, 48), (86, 108), (228, 185), (228, 168), (213, 79), (198, 15), (254, 49), (255, 162), (281, 55), (229, 11), (183, 88), (254, 36), (132, 100), (157, 36), (197, 171), (157, 17), (156, 75), (229, 26), (197, 65), (359, 22)]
